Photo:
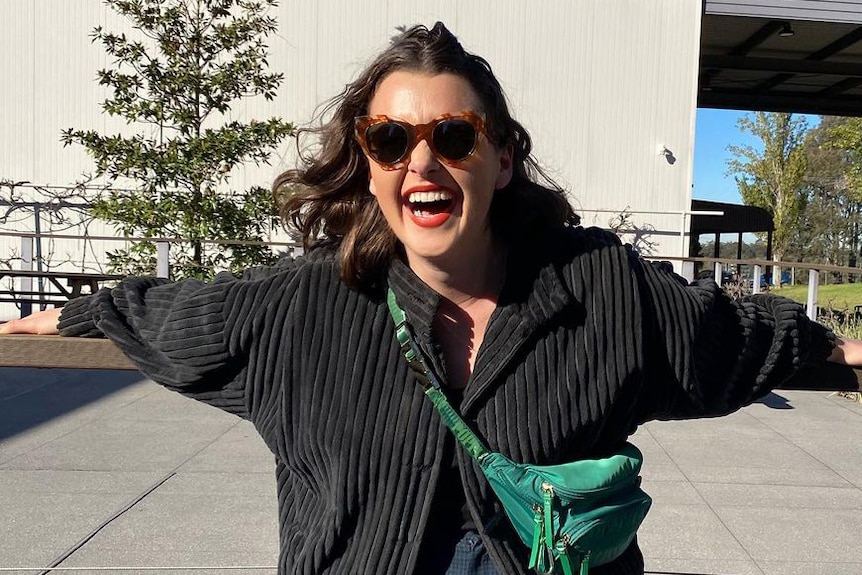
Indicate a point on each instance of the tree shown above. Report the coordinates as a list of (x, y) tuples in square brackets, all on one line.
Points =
[(192, 61), (845, 139), (829, 226), (771, 178)]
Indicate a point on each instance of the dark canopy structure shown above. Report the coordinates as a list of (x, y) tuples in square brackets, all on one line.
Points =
[(801, 57), (737, 219)]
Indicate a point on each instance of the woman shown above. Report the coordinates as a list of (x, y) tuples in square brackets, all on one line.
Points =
[(554, 341)]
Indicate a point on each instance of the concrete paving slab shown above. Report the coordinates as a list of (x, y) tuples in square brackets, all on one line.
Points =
[(240, 449), (236, 523), (770, 534), (41, 481), (654, 454), (810, 476), (721, 451), (655, 566), (673, 493), (178, 562), (49, 404), (46, 524), (837, 451), (650, 472), (740, 424), (164, 405), (825, 567), (123, 446), (215, 484), (852, 476), (682, 532), (744, 495), (780, 496)]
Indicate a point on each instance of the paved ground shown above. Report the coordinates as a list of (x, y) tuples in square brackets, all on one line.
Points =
[(105, 469)]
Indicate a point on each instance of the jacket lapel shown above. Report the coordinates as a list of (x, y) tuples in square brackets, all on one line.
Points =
[(531, 298)]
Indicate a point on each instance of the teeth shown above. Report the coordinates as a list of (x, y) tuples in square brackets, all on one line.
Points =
[(427, 197)]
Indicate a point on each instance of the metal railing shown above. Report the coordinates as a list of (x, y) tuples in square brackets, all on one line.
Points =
[(758, 265), (718, 264)]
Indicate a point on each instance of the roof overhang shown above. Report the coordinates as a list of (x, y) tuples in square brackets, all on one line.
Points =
[(736, 219), (753, 63)]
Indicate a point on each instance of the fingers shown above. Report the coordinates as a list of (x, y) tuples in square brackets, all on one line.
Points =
[(41, 323)]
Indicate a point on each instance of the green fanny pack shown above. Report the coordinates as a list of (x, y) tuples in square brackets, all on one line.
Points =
[(571, 515)]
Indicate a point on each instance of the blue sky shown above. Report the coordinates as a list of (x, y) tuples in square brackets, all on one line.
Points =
[(715, 131)]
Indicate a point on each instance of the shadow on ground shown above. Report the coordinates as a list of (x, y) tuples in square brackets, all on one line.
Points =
[(31, 397), (775, 401)]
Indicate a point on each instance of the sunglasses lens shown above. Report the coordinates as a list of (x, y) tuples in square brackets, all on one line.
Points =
[(387, 142), (454, 139)]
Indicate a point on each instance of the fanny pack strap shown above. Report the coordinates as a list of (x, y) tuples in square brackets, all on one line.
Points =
[(431, 384), (474, 446)]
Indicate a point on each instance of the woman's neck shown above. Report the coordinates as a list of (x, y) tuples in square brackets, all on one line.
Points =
[(472, 277)]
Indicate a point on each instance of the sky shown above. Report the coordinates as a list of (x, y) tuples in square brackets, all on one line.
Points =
[(714, 132)]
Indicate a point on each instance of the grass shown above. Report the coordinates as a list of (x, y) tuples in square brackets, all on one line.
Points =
[(835, 296)]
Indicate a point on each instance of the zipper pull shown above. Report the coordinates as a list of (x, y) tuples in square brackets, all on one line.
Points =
[(548, 497), (585, 564), (537, 538)]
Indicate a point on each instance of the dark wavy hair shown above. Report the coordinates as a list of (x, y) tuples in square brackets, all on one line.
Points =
[(327, 198)]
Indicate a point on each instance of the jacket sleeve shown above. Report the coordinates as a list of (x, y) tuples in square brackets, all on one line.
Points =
[(708, 354), (190, 336)]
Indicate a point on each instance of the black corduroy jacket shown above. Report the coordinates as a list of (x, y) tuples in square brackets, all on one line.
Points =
[(587, 342)]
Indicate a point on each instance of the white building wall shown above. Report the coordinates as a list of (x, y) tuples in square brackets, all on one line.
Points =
[(602, 85)]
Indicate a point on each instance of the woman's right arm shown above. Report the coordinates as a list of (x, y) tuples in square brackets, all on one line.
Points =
[(193, 337)]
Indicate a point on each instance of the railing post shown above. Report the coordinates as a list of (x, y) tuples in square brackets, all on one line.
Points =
[(688, 271), (717, 274), (755, 278), (813, 284), (26, 265), (162, 267)]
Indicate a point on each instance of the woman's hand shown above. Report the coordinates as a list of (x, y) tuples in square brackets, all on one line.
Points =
[(39, 323), (847, 351)]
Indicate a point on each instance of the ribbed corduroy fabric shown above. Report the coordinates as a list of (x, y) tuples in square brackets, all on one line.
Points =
[(587, 342)]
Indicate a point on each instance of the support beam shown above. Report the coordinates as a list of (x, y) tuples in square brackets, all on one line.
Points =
[(782, 65)]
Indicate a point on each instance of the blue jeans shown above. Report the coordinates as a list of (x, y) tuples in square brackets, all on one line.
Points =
[(471, 558)]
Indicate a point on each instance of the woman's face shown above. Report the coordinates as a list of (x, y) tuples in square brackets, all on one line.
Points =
[(439, 212)]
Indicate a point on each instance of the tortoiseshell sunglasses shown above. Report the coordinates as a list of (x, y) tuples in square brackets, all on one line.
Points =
[(451, 137)]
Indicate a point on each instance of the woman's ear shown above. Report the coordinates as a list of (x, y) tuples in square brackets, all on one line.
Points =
[(505, 174)]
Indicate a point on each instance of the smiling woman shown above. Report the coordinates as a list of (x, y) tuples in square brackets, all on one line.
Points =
[(542, 344)]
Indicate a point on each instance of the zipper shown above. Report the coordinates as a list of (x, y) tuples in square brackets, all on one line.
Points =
[(571, 495)]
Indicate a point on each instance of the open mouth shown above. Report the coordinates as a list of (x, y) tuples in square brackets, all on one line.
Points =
[(425, 204)]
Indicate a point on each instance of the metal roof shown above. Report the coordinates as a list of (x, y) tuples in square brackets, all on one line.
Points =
[(763, 64)]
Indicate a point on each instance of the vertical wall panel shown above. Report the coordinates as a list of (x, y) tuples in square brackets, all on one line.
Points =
[(601, 85)]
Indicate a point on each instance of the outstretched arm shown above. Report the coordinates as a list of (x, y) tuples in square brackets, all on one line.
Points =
[(847, 352), (39, 323)]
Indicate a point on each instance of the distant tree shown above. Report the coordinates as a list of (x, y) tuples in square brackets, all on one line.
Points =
[(828, 229), (772, 177), (845, 142), (189, 64)]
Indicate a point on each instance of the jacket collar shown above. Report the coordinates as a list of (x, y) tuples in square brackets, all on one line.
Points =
[(532, 296)]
